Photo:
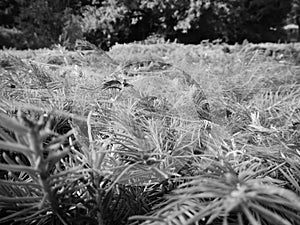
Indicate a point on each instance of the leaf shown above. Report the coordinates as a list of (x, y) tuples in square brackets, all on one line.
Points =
[(274, 200), (5, 136), (240, 218), (212, 209), (12, 124), (38, 213), (249, 216), (17, 199), (151, 218), (286, 211), (20, 183), (15, 147), (288, 195), (268, 215), (17, 168), (291, 179), (16, 214)]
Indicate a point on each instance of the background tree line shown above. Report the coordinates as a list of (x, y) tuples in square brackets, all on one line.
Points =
[(41, 23)]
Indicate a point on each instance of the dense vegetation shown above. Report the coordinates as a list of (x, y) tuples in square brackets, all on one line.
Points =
[(150, 134), (41, 23)]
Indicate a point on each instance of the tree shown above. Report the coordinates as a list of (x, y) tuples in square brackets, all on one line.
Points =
[(236, 20), (8, 8), (42, 21), (188, 21), (106, 22), (258, 20), (294, 15)]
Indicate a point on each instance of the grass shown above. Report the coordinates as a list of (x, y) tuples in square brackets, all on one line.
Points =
[(181, 134)]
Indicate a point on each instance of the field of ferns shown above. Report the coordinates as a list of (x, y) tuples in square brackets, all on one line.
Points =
[(163, 134)]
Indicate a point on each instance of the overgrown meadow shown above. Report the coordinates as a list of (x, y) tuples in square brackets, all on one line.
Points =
[(151, 134)]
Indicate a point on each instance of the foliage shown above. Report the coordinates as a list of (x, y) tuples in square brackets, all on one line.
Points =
[(222, 195), (187, 21), (102, 142), (40, 21), (262, 20), (294, 15), (11, 37), (8, 9), (72, 31), (107, 22)]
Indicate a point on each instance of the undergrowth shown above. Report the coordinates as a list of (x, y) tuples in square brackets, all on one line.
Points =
[(150, 134)]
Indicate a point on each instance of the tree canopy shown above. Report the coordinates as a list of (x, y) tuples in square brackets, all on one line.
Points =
[(105, 22)]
